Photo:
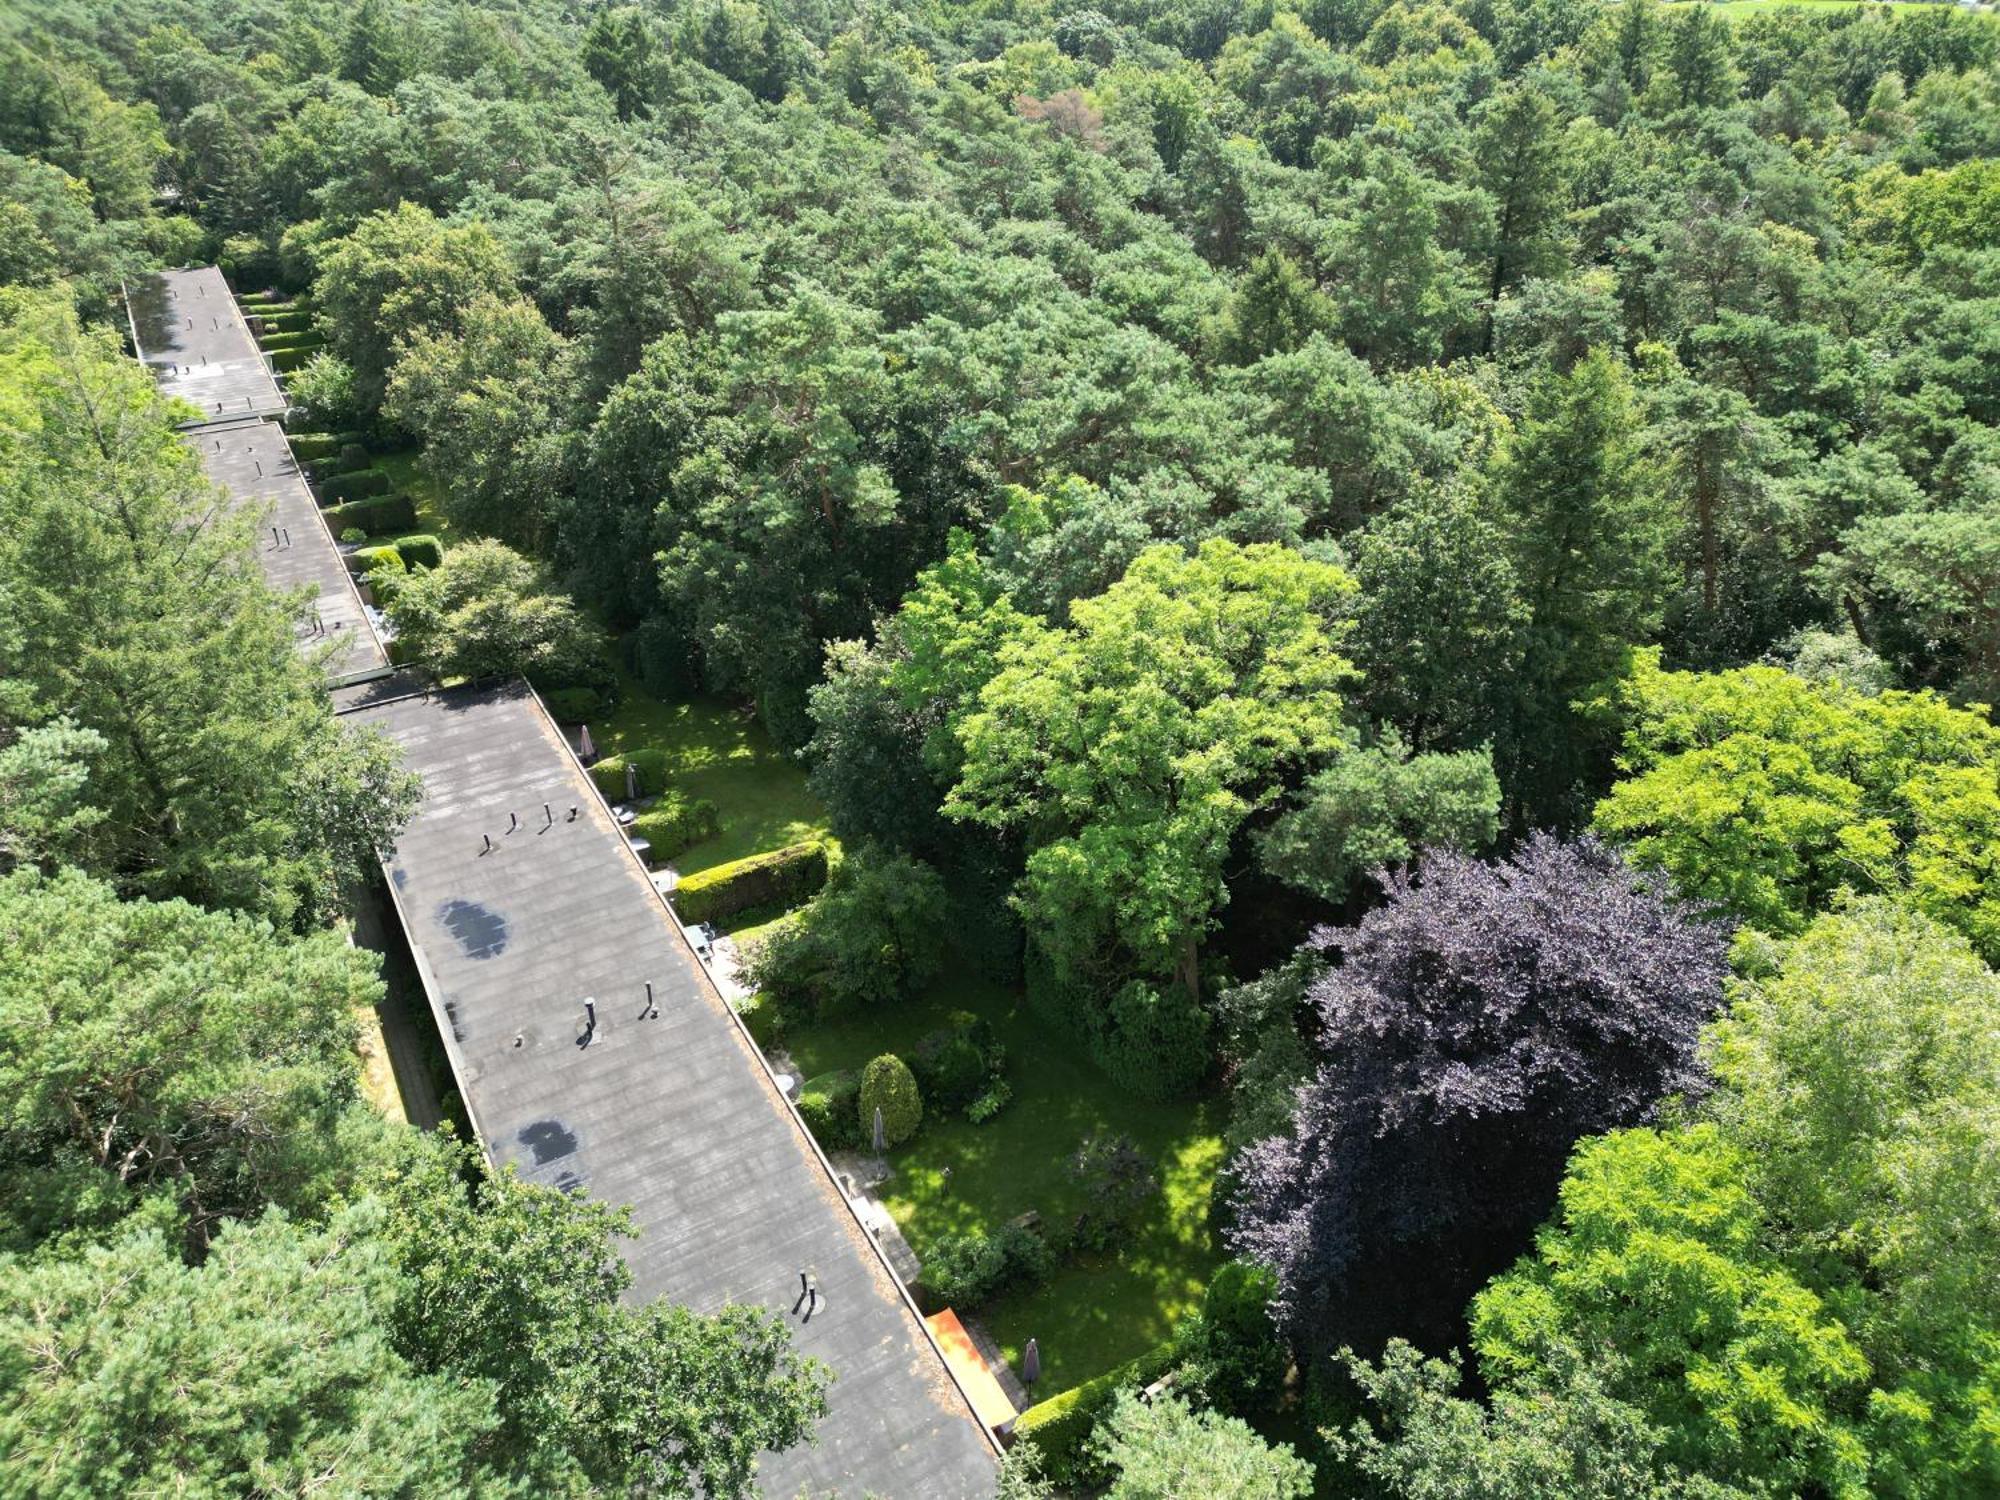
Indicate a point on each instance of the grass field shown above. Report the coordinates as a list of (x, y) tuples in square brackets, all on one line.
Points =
[(1096, 1312), (718, 751)]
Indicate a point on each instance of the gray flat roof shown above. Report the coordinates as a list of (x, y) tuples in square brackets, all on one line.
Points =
[(189, 332), (252, 460), (676, 1116)]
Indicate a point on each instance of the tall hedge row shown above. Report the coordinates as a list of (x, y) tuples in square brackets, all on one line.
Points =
[(783, 877)]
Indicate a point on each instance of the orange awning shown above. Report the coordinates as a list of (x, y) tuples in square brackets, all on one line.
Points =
[(994, 1409)]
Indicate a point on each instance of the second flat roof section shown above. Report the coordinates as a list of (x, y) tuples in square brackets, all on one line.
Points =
[(516, 916), (191, 335)]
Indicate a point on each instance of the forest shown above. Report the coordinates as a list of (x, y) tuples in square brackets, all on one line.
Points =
[(1334, 656)]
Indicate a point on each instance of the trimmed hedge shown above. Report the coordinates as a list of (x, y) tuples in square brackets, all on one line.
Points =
[(888, 1085), (352, 457), (356, 486), (830, 1105), (313, 447), (368, 559), (609, 773), (378, 515), (278, 341), (783, 877), (284, 361), (420, 551), (1060, 1427), (675, 823)]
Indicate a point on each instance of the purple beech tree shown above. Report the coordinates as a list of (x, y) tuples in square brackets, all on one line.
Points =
[(1476, 1025)]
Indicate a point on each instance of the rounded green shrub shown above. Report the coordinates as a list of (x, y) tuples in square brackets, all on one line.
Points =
[(309, 447), (888, 1084), (675, 824), (352, 457), (609, 773)]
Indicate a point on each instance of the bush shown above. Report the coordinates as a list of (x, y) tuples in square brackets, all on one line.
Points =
[(957, 1063), (1117, 1179), (999, 1094), (1060, 1428), (576, 705), (875, 934), (830, 1105), (1231, 1352), (676, 823), (353, 456), (609, 773), (381, 569), (278, 341), (420, 551), (353, 534), (308, 447), (1153, 1042), (969, 1270), (888, 1085), (284, 361), (783, 877), (377, 515), (357, 486)]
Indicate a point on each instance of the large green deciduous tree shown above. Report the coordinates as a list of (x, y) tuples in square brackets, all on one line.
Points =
[(487, 611), (1768, 795), (1129, 749)]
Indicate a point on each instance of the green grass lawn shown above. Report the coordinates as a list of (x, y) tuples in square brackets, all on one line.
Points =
[(718, 751), (1096, 1312)]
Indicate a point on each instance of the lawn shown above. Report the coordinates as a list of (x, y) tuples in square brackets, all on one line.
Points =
[(719, 751), (407, 476), (1096, 1312)]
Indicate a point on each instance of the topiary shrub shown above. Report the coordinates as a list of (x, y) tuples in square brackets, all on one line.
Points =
[(308, 447), (420, 551), (828, 1104), (888, 1085), (609, 773), (353, 534), (352, 457), (969, 1270), (571, 705), (377, 515), (284, 361), (1060, 1427), (783, 877), (356, 486), (364, 560), (675, 824)]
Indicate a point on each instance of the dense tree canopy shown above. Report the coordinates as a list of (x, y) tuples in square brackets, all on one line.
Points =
[(1478, 1023)]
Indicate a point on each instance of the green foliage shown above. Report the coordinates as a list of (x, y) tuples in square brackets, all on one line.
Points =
[(782, 877), (361, 485), (830, 1105), (888, 1085), (311, 447), (194, 1064), (1133, 745), (873, 936), (1769, 795), (675, 823), (487, 611), (579, 705), (1117, 1180), (610, 774), (419, 551), (1060, 1428), (958, 1063), (1163, 1449), (969, 1270), (378, 515), (1231, 1352), (266, 1367), (129, 607), (1376, 808)]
